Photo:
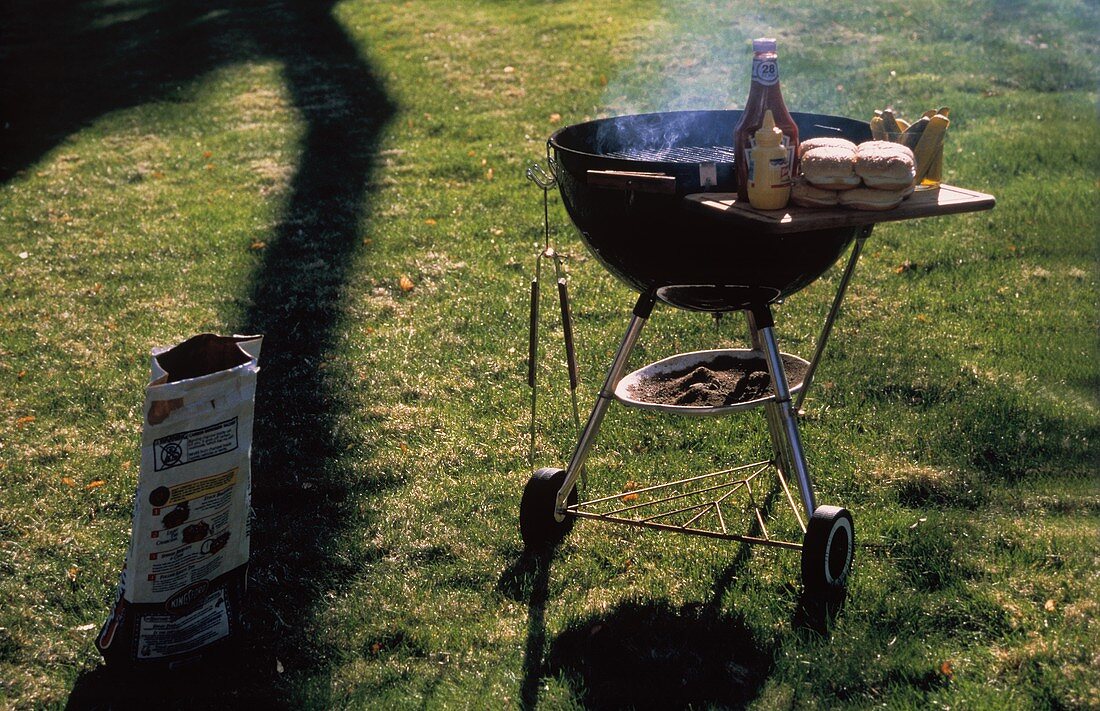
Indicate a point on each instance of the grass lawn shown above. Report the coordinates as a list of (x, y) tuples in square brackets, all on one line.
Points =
[(347, 178)]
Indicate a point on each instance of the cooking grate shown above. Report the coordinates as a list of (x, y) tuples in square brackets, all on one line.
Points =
[(678, 154)]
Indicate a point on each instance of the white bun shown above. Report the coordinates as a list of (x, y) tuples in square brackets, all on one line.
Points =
[(831, 167), (835, 183), (888, 183), (889, 147), (871, 199), (806, 195), (831, 142), (885, 165)]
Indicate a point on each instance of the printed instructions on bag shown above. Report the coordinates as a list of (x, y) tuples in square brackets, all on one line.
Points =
[(191, 507)]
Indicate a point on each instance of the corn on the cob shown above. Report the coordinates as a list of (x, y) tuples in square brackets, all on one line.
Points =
[(928, 147), (877, 131), (890, 122), (911, 136)]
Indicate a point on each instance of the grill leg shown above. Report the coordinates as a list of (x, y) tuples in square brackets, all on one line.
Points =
[(642, 310), (771, 412), (861, 237), (782, 423)]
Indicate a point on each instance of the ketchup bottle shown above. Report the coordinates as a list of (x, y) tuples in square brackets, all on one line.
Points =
[(764, 95)]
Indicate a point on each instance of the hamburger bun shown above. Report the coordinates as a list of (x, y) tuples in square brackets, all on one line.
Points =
[(806, 195), (885, 165), (871, 198), (830, 167), (830, 142)]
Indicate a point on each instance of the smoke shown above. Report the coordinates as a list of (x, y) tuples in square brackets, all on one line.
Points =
[(647, 131), (690, 56)]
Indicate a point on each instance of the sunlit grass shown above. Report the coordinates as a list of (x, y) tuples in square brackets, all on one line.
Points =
[(956, 411)]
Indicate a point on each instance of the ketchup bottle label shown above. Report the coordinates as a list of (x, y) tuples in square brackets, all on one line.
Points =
[(765, 71)]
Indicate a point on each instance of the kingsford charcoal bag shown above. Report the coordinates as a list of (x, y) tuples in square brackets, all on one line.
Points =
[(181, 591)]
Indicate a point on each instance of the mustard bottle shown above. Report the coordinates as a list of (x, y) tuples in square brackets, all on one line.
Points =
[(769, 179)]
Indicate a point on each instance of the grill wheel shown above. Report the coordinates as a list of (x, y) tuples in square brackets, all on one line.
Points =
[(828, 549), (538, 525)]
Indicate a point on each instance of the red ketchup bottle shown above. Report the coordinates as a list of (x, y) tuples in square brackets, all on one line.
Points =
[(764, 94)]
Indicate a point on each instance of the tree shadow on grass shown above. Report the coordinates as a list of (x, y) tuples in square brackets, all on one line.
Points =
[(66, 63), (303, 504), (528, 579)]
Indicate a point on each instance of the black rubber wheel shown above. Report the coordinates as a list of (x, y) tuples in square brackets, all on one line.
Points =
[(538, 526), (828, 549)]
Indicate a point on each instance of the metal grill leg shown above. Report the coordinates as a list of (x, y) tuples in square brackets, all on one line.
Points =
[(642, 310), (771, 411), (807, 381), (782, 423)]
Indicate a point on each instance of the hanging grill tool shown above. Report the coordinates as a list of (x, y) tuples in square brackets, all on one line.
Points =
[(546, 180)]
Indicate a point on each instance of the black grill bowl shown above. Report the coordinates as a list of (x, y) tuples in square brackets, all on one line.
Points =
[(652, 240)]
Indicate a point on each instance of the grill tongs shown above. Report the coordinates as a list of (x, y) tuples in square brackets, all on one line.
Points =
[(546, 180)]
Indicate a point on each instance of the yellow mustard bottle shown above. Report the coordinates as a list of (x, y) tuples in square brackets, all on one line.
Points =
[(769, 180)]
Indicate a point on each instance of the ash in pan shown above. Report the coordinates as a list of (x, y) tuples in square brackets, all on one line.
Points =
[(722, 382)]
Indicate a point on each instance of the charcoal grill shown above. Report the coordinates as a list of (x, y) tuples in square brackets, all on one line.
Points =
[(653, 197)]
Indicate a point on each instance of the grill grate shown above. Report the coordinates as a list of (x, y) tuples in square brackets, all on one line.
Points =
[(678, 154)]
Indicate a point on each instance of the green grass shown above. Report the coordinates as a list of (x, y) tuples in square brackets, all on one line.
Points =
[(256, 166)]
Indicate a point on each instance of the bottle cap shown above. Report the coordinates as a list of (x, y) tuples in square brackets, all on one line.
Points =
[(763, 44), (769, 134)]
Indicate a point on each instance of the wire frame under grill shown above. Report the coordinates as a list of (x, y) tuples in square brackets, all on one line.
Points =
[(708, 505), (678, 154)]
